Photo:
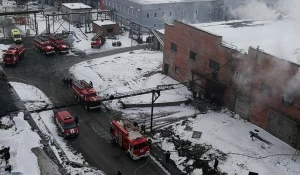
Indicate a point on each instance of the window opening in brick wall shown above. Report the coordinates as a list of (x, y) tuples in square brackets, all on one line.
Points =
[(173, 47), (240, 78), (287, 99), (196, 12), (209, 10), (176, 70), (193, 55), (265, 89), (236, 75), (214, 65), (170, 13), (147, 15), (182, 13), (155, 14), (154, 25)]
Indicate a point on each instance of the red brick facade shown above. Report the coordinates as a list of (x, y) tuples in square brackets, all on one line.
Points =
[(115, 29), (251, 84)]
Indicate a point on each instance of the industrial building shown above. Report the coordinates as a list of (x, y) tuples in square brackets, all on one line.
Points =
[(154, 14), (79, 8), (261, 87)]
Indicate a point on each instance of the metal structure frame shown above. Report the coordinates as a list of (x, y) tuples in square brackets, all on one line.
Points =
[(27, 13), (155, 94)]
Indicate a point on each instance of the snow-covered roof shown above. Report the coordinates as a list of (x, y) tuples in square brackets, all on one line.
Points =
[(76, 6), (278, 38), (104, 22), (164, 1)]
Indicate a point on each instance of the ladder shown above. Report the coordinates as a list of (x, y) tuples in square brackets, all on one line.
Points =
[(78, 85), (98, 34), (297, 153), (128, 125)]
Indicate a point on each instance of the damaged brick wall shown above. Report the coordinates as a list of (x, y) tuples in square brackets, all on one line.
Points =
[(255, 82)]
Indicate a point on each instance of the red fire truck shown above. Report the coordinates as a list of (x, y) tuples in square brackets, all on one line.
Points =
[(98, 40), (86, 94), (129, 138), (66, 124), (14, 54), (59, 44), (43, 45)]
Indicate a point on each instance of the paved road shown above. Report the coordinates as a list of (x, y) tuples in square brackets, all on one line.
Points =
[(46, 72)]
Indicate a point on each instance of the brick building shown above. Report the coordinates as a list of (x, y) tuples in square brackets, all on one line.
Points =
[(107, 27), (257, 85)]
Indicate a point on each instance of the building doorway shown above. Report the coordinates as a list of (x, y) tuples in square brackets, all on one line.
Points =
[(214, 92), (166, 69)]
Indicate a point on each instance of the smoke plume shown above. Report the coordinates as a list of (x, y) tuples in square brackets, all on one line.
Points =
[(292, 88), (259, 10)]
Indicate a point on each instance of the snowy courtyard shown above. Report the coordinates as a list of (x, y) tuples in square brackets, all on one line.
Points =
[(224, 134)]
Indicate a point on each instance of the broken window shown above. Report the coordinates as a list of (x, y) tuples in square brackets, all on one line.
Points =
[(173, 47), (287, 99), (193, 55), (214, 65), (176, 70), (236, 75), (265, 89)]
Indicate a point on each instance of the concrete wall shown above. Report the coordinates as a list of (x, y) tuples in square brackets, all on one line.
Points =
[(245, 78)]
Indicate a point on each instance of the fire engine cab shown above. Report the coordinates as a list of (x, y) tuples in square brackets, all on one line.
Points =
[(66, 124), (129, 138)]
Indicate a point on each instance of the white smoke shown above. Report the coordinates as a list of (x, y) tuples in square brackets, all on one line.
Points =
[(259, 10), (254, 9), (292, 88)]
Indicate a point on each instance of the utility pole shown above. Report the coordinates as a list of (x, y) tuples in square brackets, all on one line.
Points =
[(3, 26), (131, 35), (155, 95)]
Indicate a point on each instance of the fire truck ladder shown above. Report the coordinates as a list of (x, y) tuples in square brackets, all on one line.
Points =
[(297, 153), (97, 35), (14, 46), (128, 125), (141, 92), (78, 84), (85, 84)]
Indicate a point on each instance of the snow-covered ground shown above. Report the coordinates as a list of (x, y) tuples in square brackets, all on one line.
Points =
[(35, 99), (223, 132), (228, 133), (3, 48), (81, 41), (20, 139), (128, 72)]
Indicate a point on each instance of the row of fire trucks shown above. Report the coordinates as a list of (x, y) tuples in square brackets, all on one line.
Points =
[(123, 132), (50, 45)]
